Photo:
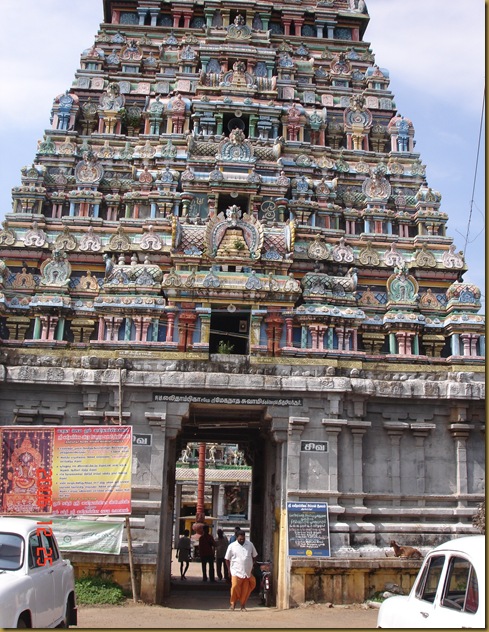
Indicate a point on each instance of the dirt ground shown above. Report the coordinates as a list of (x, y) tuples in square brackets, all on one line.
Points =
[(195, 611), (195, 604)]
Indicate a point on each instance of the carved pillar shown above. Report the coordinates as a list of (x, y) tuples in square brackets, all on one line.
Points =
[(146, 322), (373, 342), (465, 338), (178, 508), (358, 429), (333, 428), (163, 439), (165, 428), (220, 501), (340, 333), (101, 329), (49, 327), (255, 329), (460, 433), (298, 22), (314, 337), (142, 15), (116, 323), (286, 23), (411, 343), (274, 325), (296, 427), (335, 400), (395, 430), (154, 12), (353, 336), (321, 333), (186, 327), (289, 332), (17, 326), (42, 328), (473, 344), (279, 433), (187, 16), (82, 329), (137, 321), (420, 432), (170, 326), (205, 325), (401, 342), (215, 501)]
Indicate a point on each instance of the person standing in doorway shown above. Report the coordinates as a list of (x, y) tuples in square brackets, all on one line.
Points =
[(207, 547), (184, 548), (233, 537), (240, 557), (222, 544)]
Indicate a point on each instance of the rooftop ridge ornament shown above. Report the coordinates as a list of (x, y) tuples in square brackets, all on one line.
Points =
[(88, 170), (376, 187), (238, 30), (402, 287), (252, 230), (236, 148), (56, 271)]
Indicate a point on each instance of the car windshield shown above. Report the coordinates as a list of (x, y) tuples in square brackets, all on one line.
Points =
[(11, 551)]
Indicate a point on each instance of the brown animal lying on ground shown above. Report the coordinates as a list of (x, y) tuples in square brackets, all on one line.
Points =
[(406, 551)]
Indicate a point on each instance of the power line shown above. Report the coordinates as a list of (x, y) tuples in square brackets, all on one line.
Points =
[(475, 170)]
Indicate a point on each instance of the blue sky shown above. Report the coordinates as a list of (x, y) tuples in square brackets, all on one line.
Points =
[(434, 50)]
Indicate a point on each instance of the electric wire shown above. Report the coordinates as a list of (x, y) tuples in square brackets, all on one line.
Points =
[(475, 170)]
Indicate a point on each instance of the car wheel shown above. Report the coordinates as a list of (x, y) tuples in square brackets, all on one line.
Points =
[(68, 614), (21, 623)]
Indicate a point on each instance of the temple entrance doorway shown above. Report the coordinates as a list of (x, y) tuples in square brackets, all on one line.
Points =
[(239, 477)]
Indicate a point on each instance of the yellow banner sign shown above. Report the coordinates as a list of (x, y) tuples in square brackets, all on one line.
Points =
[(66, 471)]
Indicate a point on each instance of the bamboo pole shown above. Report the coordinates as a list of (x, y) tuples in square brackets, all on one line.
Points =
[(128, 526), (120, 396), (131, 563)]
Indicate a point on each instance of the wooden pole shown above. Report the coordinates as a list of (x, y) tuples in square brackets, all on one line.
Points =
[(131, 563), (200, 511), (120, 396), (128, 526)]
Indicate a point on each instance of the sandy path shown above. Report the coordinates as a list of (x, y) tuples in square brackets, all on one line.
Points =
[(190, 610)]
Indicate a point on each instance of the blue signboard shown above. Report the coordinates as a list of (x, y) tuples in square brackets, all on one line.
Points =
[(308, 529)]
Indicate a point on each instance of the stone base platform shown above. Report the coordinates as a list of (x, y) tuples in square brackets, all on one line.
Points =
[(339, 581), (343, 581)]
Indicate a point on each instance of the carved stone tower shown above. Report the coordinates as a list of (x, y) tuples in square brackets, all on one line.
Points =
[(227, 225)]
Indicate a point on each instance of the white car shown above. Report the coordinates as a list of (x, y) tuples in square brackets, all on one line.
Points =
[(37, 587), (449, 591)]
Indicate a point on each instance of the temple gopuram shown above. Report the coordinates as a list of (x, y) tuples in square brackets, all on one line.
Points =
[(227, 236)]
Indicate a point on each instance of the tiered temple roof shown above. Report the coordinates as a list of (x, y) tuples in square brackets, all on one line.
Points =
[(245, 160)]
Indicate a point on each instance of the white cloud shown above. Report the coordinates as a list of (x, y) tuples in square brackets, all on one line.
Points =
[(434, 46), (41, 45)]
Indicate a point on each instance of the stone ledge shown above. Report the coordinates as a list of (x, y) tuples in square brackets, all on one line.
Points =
[(309, 565)]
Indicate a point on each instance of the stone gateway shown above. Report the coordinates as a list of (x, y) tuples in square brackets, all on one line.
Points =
[(226, 237)]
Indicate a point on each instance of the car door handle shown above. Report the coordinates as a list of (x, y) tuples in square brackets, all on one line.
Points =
[(425, 614), (51, 571)]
